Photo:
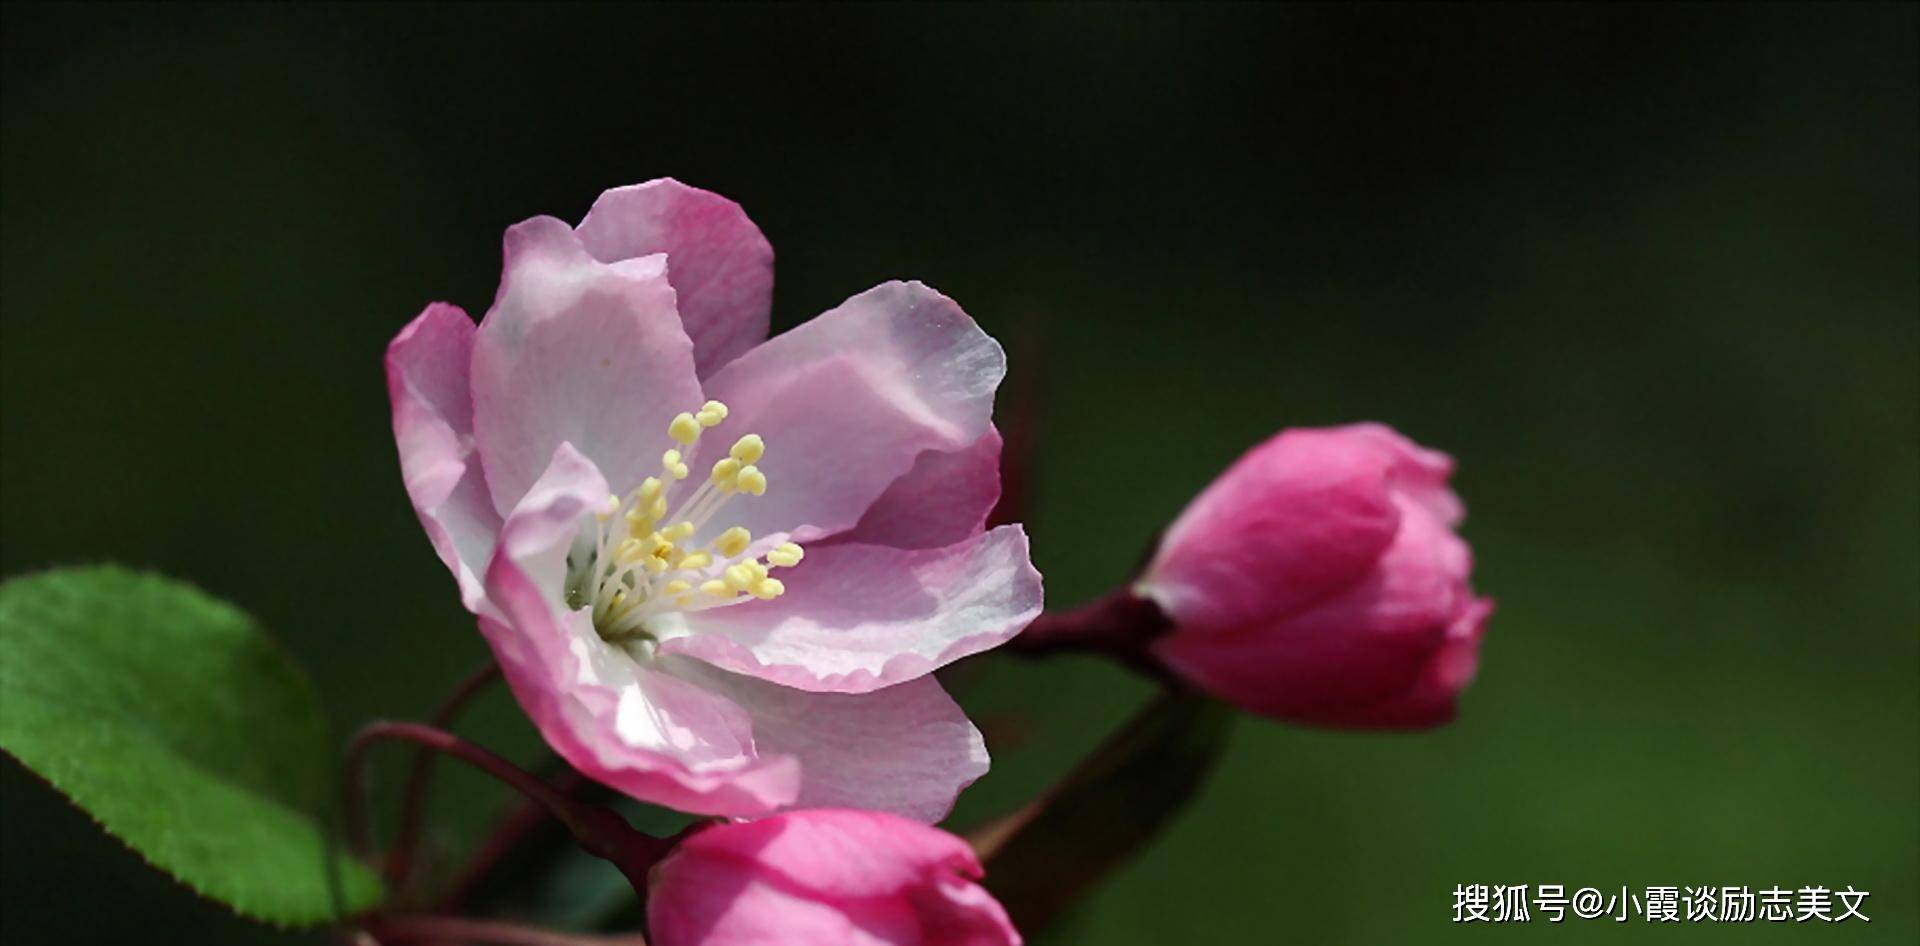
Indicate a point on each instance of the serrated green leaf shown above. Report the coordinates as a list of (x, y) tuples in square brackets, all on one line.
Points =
[(177, 724), (1045, 856)]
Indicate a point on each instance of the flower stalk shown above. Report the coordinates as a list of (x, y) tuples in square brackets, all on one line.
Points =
[(599, 831), (403, 930), (399, 864), (1119, 625)]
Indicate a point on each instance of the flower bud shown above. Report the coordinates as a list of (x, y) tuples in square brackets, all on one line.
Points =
[(824, 877), (1319, 580)]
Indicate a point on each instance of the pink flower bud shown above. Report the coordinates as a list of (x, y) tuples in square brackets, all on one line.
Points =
[(1320, 580), (822, 877)]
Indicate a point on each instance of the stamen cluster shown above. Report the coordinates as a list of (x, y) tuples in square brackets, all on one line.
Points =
[(643, 562)]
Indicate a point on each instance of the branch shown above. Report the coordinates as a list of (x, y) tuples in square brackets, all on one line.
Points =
[(599, 831), (406, 837), (1120, 626), (399, 930)]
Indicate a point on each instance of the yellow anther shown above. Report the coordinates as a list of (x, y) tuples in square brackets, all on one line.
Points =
[(677, 531), (786, 555), (630, 551), (694, 561), (739, 577), (650, 488), (748, 449), (606, 511), (716, 588), (711, 413), (759, 568), (767, 589), (673, 465), (724, 472), (657, 510), (732, 542), (751, 480), (677, 586), (684, 428), (655, 565)]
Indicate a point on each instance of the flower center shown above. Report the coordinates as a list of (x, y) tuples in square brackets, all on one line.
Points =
[(644, 563)]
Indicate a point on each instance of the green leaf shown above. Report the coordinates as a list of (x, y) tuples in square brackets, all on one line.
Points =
[(1045, 856), (174, 721)]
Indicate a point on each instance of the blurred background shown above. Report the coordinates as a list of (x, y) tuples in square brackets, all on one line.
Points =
[(1648, 273)]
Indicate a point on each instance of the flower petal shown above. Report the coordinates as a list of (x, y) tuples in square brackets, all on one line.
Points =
[(1419, 583), (643, 732), (1365, 645), (577, 351), (720, 265), (1433, 698), (945, 498), (824, 878), (842, 854), (433, 424), (847, 402), (907, 749), (1417, 471), (1297, 519), (716, 901), (859, 617), (957, 912)]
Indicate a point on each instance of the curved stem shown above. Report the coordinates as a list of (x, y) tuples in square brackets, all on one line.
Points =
[(509, 833), (406, 837), (1119, 625), (598, 831), (398, 930)]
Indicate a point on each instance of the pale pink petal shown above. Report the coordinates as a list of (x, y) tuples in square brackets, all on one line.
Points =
[(1296, 520), (629, 726), (719, 264), (433, 425), (577, 351), (943, 499), (848, 401), (907, 749), (859, 617)]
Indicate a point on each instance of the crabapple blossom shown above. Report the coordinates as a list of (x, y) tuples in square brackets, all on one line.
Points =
[(705, 560), (1320, 580), (824, 878)]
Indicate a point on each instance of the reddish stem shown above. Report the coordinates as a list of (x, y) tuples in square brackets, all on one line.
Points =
[(399, 930), (507, 835), (406, 839), (598, 831), (1120, 625)]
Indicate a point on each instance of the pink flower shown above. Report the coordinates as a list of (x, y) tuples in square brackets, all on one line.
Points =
[(1320, 580), (624, 475), (824, 878)]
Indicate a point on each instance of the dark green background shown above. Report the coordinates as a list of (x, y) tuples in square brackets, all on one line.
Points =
[(1649, 273)]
